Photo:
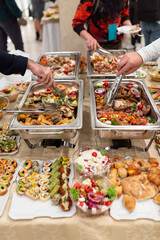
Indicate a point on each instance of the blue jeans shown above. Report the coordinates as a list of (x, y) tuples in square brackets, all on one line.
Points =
[(151, 31)]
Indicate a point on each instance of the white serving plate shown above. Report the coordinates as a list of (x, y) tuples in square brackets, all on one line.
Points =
[(4, 199), (144, 209), (22, 207), (14, 152), (128, 29)]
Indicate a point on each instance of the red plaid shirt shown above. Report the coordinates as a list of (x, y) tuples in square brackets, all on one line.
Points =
[(99, 27)]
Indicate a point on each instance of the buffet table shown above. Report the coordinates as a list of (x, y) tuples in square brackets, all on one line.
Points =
[(80, 226), (51, 35)]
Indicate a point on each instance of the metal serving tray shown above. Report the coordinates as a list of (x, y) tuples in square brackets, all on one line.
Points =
[(91, 73), (75, 54), (64, 131), (125, 131)]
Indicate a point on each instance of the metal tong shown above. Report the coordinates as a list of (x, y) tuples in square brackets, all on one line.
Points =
[(110, 96), (104, 52), (59, 92)]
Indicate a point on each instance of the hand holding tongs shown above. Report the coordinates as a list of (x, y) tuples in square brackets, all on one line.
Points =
[(110, 96)]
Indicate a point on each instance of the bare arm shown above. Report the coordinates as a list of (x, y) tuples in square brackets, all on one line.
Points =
[(91, 42), (43, 73)]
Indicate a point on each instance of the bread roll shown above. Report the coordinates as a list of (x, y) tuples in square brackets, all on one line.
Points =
[(113, 173), (115, 181), (122, 172), (153, 162), (129, 202)]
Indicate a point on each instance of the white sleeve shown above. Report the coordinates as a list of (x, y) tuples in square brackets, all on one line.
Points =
[(151, 51)]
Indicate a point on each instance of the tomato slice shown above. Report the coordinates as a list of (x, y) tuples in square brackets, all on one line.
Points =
[(94, 154)]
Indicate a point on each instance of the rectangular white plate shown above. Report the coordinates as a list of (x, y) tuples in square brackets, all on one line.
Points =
[(144, 209), (22, 207), (4, 199)]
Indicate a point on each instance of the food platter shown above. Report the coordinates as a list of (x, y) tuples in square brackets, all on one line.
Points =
[(103, 70), (64, 131), (125, 131), (129, 29), (136, 174), (37, 208), (62, 57)]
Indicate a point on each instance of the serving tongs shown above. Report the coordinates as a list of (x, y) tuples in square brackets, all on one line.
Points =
[(110, 96), (59, 92), (49, 107), (104, 52)]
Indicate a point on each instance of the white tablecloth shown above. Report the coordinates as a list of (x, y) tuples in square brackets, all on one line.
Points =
[(51, 37)]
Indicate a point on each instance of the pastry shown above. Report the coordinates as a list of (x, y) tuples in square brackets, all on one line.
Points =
[(154, 176), (118, 190), (56, 199), (23, 172), (122, 172), (129, 202), (7, 174), (113, 173), (153, 162), (13, 163), (32, 194), (157, 198), (63, 189), (21, 189), (28, 164), (139, 187), (3, 189), (10, 169), (65, 203), (133, 170), (45, 175), (115, 181), (44, 196)]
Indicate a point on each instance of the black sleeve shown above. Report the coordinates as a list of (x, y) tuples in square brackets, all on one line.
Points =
[(10, 64)]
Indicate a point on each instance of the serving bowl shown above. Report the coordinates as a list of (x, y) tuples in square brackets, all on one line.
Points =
[(91, 161), (93, 195), (155, 74), (11, 93), (4, 103)]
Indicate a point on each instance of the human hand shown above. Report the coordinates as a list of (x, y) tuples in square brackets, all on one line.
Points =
[(92, 43), (129, 63), (43, 73)]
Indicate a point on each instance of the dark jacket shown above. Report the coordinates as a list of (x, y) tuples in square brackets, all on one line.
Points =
[(10, 64), (148, 10), (12, 6)]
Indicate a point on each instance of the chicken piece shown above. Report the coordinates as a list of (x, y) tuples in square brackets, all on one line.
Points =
[(146, 110), (119, 105)]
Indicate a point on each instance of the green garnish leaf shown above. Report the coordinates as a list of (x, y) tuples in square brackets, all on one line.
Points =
[(113, 122), (103, 153), (79, 166), (111, 192), (96, 87), (134, 107), (75, 193), (152, 120)]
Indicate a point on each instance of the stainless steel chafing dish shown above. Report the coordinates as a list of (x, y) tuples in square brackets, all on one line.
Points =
[(75, 54), (39, 132), (125, 131), (90, 70)]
